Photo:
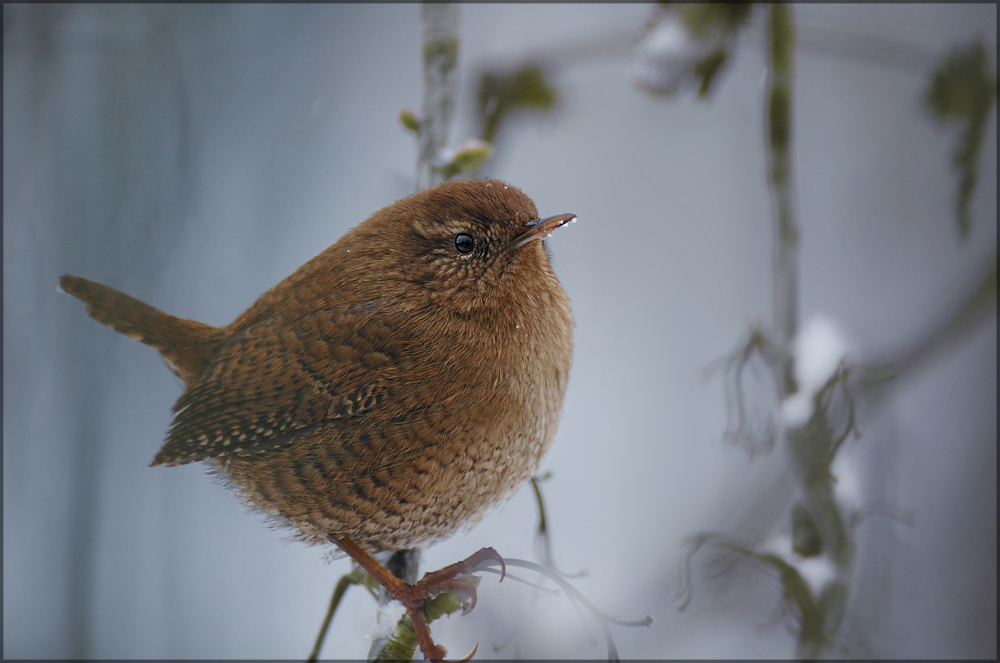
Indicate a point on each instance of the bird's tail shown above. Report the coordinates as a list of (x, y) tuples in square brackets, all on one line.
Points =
[(186, 345)]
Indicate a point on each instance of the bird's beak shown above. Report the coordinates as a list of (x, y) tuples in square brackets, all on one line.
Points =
[(541, 228)]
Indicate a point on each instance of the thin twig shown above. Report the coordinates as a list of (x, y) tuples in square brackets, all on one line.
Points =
[(352, 578), (440, 56), (781, 34), (543, 537)]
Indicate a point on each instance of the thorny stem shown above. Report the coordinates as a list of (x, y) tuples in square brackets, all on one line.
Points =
[(818, 525), (440, 33), (811, 444)]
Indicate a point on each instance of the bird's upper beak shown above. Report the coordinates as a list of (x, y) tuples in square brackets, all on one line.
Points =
[(541, 228)]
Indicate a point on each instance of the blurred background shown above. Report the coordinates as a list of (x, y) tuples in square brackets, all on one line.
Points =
[(194, 155)]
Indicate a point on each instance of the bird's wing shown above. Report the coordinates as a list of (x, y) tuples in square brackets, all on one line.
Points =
[(276, 380)]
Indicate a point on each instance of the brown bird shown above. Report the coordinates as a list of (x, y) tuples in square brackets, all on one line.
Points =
[(392, 390)]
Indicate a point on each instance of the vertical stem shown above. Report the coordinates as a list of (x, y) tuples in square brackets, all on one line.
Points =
[(781, 36), (812, 443), (405, 565), (440, 37), (440, 27)]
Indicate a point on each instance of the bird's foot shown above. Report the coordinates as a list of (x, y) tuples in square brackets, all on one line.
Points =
[(456, 577)]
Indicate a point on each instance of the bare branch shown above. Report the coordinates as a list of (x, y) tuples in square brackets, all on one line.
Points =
[(440, 21)]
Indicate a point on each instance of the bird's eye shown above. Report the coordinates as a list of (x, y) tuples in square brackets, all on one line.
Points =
[(464, 243)]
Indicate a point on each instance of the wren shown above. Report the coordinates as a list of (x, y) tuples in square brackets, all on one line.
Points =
[(389, 392)]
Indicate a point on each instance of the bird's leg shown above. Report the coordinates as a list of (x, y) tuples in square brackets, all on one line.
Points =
[(413, 597)]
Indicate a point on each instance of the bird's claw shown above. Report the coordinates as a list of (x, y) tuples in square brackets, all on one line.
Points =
[(458, 578), (484, 559), (438, 649), (468, 657), (464, 588)]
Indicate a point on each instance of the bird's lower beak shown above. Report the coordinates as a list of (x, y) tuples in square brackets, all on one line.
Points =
[(541, 228)]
